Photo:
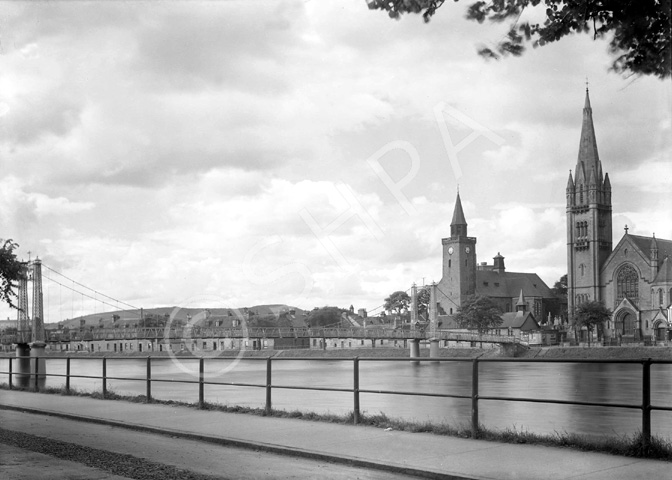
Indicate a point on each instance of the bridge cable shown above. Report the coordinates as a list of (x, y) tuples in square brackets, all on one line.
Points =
[(449, 299), (383, 305), (95, 291), (83, 295)]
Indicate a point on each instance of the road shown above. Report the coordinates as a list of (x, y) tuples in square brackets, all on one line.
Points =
[(100, 452)]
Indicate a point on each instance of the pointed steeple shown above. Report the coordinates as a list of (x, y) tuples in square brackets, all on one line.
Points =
[(458, 226), (521, 305), (570, 183), (588, 156)]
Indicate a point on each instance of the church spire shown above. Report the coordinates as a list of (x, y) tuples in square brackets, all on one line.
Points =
[(521, 305), (588, 157), (458, 226)]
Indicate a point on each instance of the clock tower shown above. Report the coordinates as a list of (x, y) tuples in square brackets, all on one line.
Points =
[(459, 264)]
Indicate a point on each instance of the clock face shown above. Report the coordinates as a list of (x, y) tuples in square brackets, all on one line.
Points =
[(467, 249), (450, 250)]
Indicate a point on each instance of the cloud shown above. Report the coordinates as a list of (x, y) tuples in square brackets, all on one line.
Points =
[(157, 151), (218, 46)]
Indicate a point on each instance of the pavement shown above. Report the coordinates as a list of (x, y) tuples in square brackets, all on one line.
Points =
[(416, 454)]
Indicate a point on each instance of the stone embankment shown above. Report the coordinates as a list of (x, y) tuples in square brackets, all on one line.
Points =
[(600, 353), (604, 353)]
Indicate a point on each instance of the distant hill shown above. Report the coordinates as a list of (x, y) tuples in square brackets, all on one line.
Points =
[(265, 314)]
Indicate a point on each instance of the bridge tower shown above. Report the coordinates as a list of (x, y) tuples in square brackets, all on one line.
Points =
[(23, 328), (30, 334), (38, 306), (39, 345)]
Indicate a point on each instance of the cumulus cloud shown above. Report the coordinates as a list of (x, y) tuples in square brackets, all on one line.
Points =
[(160, 151)]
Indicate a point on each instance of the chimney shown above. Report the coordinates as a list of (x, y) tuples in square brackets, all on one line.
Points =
[(498, 265)]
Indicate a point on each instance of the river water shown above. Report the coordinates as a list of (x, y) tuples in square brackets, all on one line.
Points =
[(608, 383)]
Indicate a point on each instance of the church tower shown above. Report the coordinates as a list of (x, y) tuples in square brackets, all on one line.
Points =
[(589, 241), (459, 263)]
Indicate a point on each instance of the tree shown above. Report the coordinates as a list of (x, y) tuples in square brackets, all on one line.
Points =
[(480, 313), (397, 302), (325, 317), (639, 29), (560, 287), (558, 306), (592, 314), (10, 272), (423, 302)]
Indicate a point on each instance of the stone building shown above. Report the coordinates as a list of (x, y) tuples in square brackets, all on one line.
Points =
[(463, 276), (634, 279)]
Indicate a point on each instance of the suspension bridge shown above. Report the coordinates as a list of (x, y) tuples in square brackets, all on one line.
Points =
[(31, 338)]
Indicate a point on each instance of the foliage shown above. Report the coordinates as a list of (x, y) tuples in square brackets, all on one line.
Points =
[(639, 29), (557, 306), (325, 317), (480, 313), (397, 302), (560, 287), (423, 302), (10, 272), (592, 314)]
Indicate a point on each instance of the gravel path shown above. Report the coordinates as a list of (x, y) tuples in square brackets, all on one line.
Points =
[(126, 466)]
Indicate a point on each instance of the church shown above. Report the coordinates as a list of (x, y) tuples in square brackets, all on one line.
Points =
[(633, 280), (463, 276)]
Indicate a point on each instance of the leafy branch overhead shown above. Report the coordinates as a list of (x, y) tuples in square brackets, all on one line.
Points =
[(639, 29)]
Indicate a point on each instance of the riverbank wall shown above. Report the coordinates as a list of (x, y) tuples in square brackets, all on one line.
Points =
[(569, 353)]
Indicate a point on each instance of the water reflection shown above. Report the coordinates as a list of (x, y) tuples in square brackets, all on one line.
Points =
[(608, 383)]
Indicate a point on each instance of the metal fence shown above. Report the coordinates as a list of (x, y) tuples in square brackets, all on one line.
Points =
[(645, 406)]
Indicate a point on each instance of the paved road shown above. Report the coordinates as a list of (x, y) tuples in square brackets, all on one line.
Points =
[(204, 458), (420, 454), (20, 464)]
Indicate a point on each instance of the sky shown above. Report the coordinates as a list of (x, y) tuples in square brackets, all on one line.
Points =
[(308, 153)]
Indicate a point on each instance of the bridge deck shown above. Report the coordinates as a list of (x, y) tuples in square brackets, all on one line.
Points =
[(157, 333)]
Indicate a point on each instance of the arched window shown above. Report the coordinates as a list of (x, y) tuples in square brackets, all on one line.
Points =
[(627, 284), (660, 296)]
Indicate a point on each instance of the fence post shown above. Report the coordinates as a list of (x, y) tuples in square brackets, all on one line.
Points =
[(36, 373), (67, 375), (268, 385), (201, 377), (11, 383), (355, 390), (474, 399), (149, 379), (646, 403), (104, 377)]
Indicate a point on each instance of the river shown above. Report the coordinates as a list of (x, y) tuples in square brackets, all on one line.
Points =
[(608, 383)]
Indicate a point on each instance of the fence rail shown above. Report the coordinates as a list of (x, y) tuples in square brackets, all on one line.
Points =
[(645, 406)]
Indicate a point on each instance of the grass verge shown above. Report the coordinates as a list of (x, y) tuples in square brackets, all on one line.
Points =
[(625, 445)]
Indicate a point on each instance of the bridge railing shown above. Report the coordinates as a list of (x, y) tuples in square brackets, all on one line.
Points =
[(143, 333), (32, 378)]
